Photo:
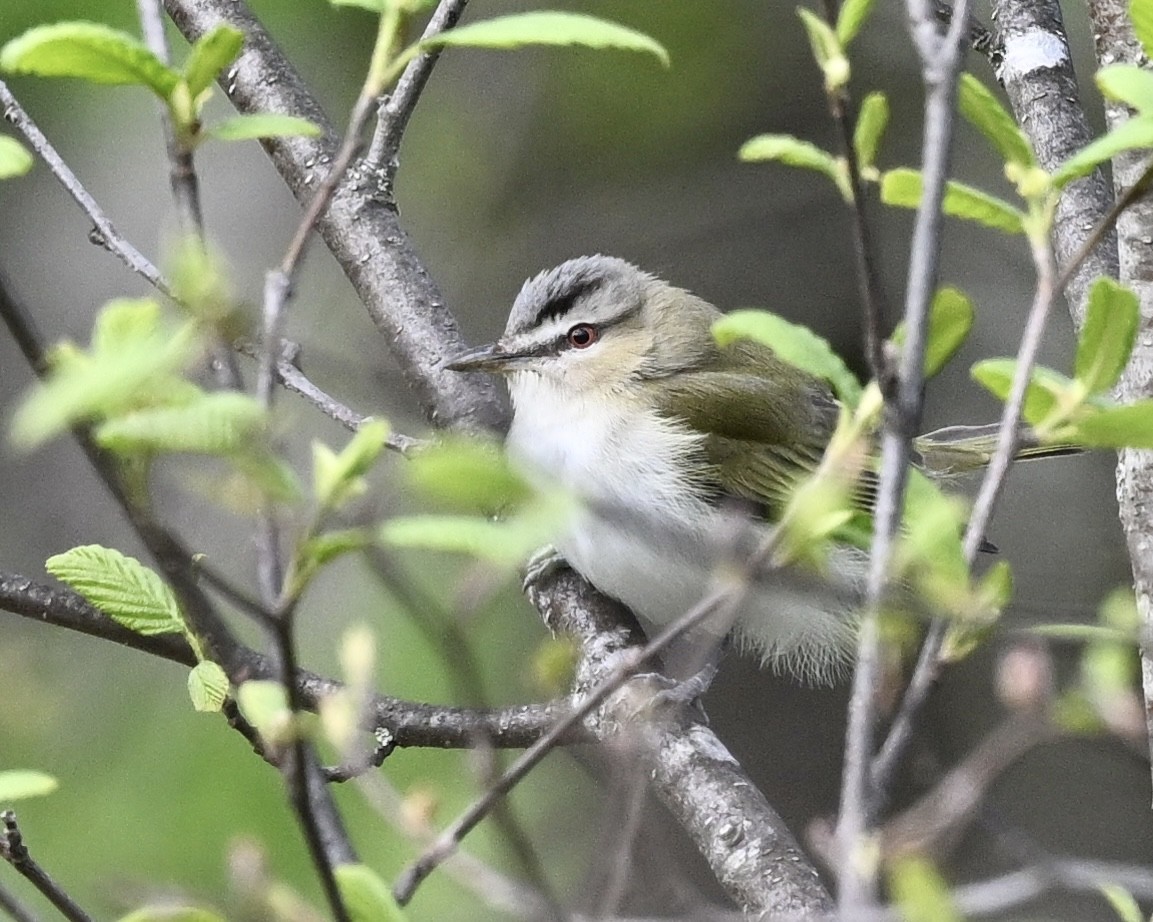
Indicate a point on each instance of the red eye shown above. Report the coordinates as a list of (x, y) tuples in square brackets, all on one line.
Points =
[(582, 335)]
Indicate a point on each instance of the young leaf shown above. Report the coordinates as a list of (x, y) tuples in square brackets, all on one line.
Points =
[(1128, 426), (168, 913), (545, 27), (1141, 13), (220, 423), (14, 158), (902, 187), (827, 50), (795, 344), (795, 152), (89, 51), (1135, 133), (336, 478), (505, 543), (121, 587), (468, 474), (950, 320), (373, 6), (871, 123), (920, 892), (985, 113), (262, 125), (1046, 389), (1129, 84), (1108, 335), (850, 19), (207, 686), (264, 704), (16, 784), (1122, 902), (213, 52), (365, 895)]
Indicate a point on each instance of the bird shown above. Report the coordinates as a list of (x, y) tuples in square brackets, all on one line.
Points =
[(622, 396)]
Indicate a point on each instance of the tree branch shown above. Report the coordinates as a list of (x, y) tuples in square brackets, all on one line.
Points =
[(15, 852)]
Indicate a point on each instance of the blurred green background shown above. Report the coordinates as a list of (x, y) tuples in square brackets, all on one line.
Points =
[(514, 162)]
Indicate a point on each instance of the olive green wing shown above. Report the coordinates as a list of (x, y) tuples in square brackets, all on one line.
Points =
[(765, 423)]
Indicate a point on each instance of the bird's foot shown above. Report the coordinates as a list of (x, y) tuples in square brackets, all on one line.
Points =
[(544, 562)]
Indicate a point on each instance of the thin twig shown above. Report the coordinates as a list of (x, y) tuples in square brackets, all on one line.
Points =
[(17, 910), (15, 852), (103, 232), (398, 106), (718, 604), (941, 59)]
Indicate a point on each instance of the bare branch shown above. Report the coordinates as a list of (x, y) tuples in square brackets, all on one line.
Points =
[(15, 852), (103, 232)]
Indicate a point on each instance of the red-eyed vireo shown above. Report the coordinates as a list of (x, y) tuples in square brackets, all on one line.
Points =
[(622, 395)]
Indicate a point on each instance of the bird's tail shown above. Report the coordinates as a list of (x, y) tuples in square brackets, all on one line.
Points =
[(960, 449)]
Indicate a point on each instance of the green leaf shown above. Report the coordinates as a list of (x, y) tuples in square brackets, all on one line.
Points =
[(920, 892), (1135, 133), (827, 50), (16, 784), (871, 123), (124, 321), (1122, 901), (262, 125), (468, 474), (373, 6), (850, 19), (264, 704), (219, 423), (1128, 426), (794, 152), (950, 320), (1047, 388), (1108, 335), (1141, 12), (931, 542), (795, 344), (903, 187), (1129, 84), (121, 587), (545, 27), (207, 686), (211, 53), (1081, 633), (14, 158), (168, 913), (985, 113), (336, 478), (366, 896), (89, 51)]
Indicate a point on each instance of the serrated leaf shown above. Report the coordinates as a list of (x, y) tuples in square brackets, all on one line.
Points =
[(1108, 335), (89, 51), (920, 892), (851, 17), (1122, 901), (785, 148), (207, 686), (366, 897), (1128, 426), (219, 423), (903, 187), (1141, 13), (19, 783), (1135, 133), (985, 113), (793, 343), (1046, 387), (872, 121), (262, 125), (1127, 83), (264, 704), (15, 160), (338, 477), (548, 27), (211, 53), (121, 587), (168, 913), (468, 474)]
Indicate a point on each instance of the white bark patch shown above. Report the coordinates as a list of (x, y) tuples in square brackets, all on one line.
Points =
[(1033, 50)]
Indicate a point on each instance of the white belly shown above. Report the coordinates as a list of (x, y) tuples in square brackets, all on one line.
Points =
[(661, 565)]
